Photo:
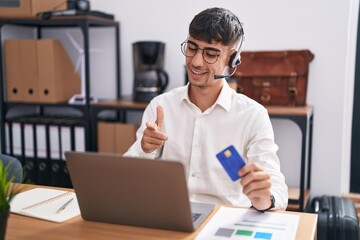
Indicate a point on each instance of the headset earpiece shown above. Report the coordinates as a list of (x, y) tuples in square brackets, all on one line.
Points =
[(234, 59)]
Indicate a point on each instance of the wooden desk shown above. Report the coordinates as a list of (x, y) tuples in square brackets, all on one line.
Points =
[(21, 227)]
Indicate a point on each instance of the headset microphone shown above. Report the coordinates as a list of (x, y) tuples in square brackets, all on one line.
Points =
[(234, 60), (220, 76), (224, 76)]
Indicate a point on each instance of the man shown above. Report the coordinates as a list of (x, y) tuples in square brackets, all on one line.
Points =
[(191, 124)]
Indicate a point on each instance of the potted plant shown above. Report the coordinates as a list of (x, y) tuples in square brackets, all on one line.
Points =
[(7, 192)]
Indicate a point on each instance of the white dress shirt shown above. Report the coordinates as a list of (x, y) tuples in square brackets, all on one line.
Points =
[(195, 137)]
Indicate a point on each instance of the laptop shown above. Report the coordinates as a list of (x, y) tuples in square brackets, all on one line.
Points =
[(133, 191)]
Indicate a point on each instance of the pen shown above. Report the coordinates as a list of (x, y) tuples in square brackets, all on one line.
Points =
[(64, 206)]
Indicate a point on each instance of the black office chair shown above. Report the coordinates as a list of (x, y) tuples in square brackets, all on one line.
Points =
[(15, 167)]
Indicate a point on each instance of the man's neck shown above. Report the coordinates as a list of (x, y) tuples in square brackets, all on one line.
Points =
[(204, 97)]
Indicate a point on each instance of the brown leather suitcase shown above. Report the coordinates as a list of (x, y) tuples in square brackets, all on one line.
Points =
[(274, 77)]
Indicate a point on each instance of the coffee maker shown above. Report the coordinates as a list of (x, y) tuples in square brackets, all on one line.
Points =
[(150, 79)]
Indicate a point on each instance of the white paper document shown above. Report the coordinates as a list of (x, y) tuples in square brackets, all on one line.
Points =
[(239, 223)]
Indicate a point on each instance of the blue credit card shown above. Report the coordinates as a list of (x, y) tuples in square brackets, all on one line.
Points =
[(231, 160)]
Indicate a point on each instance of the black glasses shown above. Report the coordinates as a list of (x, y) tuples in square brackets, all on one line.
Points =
[(210, 55)]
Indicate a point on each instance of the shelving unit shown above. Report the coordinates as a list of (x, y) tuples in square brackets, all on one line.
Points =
[(303, 117), (85, 23), (82, 22)]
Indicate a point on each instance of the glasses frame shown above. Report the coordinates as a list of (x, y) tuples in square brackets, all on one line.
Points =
[(187, 41)]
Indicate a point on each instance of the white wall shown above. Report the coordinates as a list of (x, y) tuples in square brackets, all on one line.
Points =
[(327, 28)]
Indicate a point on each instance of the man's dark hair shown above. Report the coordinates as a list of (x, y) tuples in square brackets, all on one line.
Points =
[(216, 25)]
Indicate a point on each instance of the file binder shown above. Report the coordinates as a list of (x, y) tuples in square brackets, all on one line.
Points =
[(16, 139), (65, 140), (55, 155), (43, 171), (65, 181), (29, 140), (30, 167), (79, 138), (41, 140), (56, 173), (15, 88), (40, 143), (54, 142), (29, 70), (8, 139), (30, 152), (65, 146)]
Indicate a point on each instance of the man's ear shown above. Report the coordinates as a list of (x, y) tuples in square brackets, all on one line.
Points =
[(234, 59)]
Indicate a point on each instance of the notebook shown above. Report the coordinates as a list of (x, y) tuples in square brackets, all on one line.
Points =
[(133, 191), (47, 204)]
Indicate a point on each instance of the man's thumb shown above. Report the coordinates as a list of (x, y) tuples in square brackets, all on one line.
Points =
[(160, 116)]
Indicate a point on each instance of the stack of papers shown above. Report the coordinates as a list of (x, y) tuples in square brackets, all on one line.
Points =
[(239, 223)]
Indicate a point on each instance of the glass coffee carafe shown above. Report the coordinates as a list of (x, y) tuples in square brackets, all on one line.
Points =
[(150, 79)]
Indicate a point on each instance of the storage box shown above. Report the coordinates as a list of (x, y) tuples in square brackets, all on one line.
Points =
[(106, 137), (15, 88), (26, 8), (29, 69), (58, 80), (39, 71), (116, 137), (125, 136)]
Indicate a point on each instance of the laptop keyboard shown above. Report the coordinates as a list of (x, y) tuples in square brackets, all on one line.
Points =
[(195, 216)]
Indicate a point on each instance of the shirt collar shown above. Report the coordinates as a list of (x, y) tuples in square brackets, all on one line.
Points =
[(224, 99), (185, 94)]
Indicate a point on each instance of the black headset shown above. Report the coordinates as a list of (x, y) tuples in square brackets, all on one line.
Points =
[(235, 59)]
